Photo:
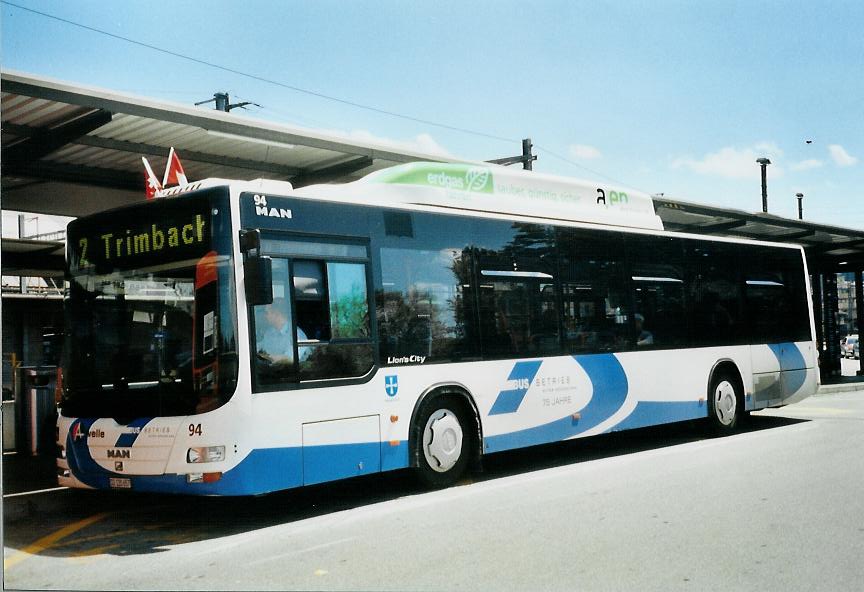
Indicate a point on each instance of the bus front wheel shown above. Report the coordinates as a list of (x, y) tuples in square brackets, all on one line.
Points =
[(725, 403), (443, 442)]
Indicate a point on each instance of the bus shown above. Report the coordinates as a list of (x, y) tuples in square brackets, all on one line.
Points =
[(243, 337)]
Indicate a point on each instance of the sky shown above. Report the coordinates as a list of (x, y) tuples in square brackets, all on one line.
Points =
[(671, 97)]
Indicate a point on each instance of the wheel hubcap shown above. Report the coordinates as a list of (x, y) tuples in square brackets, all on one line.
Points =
[(725, 402), (442, 440)]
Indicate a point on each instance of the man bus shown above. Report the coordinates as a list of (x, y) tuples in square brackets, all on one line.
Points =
[(430, 314)]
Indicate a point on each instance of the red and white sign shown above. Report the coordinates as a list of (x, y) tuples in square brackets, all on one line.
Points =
[(152, 183), (174, 174)]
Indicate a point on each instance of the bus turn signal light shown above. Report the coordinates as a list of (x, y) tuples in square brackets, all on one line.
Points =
[(203, 477)]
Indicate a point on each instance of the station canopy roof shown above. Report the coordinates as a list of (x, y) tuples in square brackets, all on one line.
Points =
[(72, 150)]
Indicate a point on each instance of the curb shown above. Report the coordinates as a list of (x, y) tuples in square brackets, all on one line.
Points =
[(832, 389)]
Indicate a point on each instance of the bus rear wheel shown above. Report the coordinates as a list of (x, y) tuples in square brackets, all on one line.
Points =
[(443, 442), (725, 403)]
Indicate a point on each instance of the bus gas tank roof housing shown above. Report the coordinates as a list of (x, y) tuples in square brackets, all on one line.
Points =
[(495, 189)]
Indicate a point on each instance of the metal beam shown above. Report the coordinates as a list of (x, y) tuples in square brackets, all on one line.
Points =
[(25, 256), (53, 171), (792, 235), (848, 244), (46, 264), (43, 142), (710, 227)]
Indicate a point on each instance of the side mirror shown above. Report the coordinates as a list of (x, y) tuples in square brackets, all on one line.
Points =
[(258, 272)]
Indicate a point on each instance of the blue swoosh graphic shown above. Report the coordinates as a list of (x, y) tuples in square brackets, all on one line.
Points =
[(126, 440), (609, 391), (509, 401), (788, 355), (792, 365)]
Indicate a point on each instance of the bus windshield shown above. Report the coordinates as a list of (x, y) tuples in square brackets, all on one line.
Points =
[(150, 312)]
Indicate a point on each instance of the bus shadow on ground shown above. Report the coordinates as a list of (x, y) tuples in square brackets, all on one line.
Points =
[(145, 523)]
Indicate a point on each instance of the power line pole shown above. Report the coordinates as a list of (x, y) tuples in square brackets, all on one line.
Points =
[(527, 158), (224, 104), (764, 162)]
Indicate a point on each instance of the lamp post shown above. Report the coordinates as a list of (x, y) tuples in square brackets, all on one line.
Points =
[(800, 197), (764, 162)]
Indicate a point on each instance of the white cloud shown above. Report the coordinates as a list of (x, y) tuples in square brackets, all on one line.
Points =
[(584, 152), (840, 156), (806, 165), (423, 143), (733, 163)]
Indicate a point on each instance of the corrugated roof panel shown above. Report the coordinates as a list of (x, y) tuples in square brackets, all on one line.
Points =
[(41, 113), (65, 153), (9, 103), (52, 115), (116, 159), (122, 127), (78, 155), (129, 129), (13, 112)]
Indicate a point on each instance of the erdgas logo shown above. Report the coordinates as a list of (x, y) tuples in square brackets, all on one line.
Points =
[(473, 179)]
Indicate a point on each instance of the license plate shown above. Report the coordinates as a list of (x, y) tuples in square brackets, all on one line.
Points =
[(120, 483)]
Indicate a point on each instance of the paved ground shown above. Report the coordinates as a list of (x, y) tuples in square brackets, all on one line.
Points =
[(778, 507)]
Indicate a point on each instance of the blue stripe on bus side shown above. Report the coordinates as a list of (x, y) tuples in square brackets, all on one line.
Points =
[(394, 455), (650, 413), (609, 391), (340, 461)]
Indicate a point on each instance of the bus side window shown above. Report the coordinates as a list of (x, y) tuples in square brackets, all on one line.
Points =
[(310, 298), (332, 319), (657, 283), (596, 311)]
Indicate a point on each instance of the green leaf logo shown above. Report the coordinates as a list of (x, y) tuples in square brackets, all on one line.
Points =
[(477, 179)]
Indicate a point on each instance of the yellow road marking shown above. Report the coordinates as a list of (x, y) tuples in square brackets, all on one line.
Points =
[(96, 537), (47, 542), (90, 554)]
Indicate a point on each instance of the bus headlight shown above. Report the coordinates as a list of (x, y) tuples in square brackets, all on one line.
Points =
[(205, 454)]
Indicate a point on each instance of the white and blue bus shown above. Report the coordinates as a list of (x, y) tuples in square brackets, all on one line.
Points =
[(242, 337)]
